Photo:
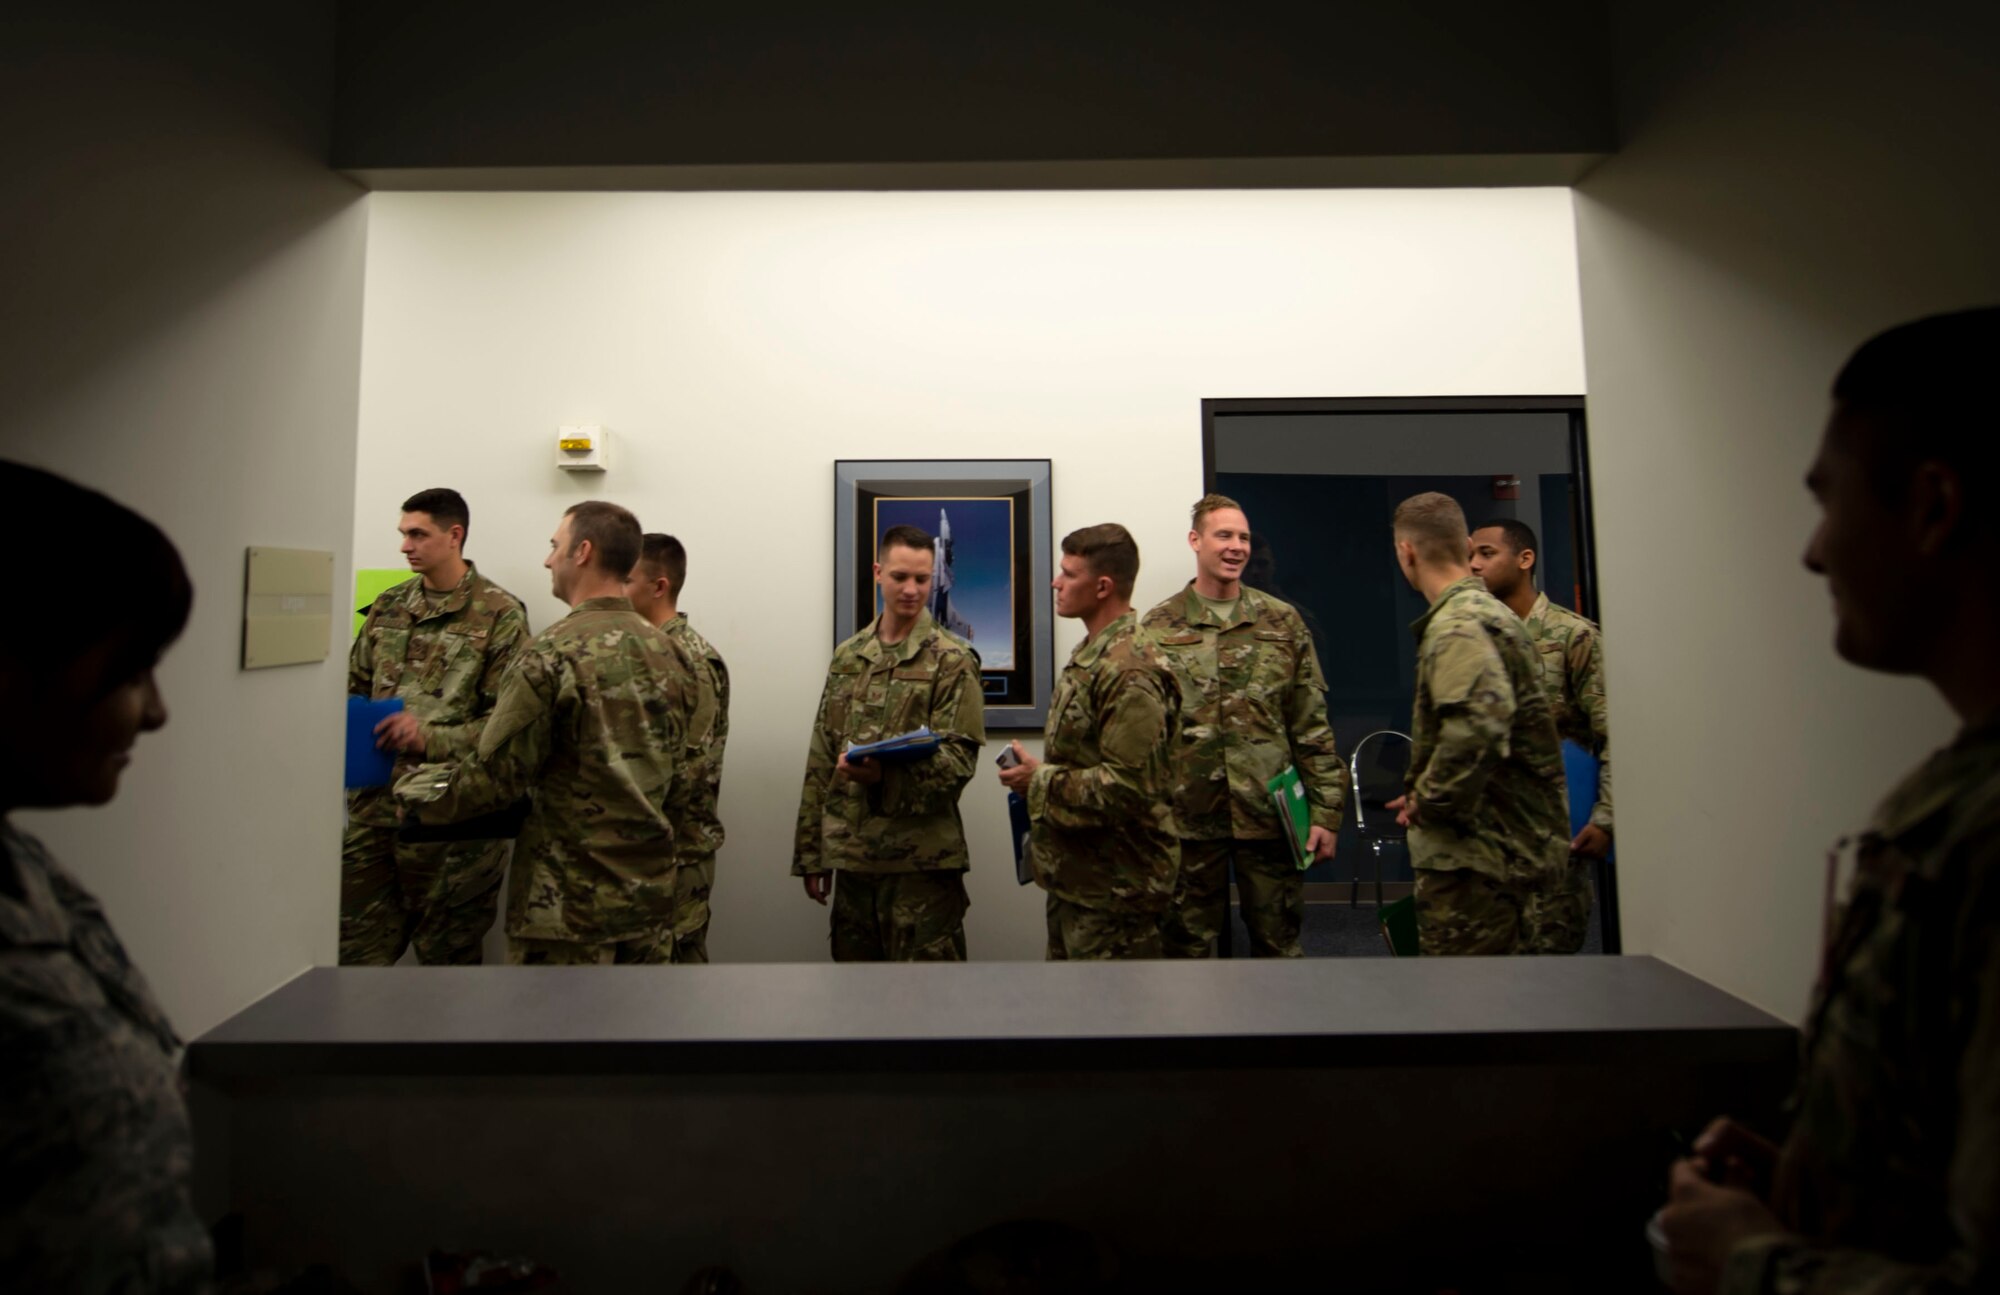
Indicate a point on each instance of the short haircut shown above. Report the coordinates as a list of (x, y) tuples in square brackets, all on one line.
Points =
[(1931, 381), (614, 533), (1108, 549), (906, 537), (1520, 535), (98, 534), (1435, 524), (669, 557), (1210, 503), (446, 506)]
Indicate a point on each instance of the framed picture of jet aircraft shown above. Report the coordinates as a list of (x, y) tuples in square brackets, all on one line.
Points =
[(990, 581)]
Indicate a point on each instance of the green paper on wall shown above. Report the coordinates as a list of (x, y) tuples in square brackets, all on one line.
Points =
[(369, 582)]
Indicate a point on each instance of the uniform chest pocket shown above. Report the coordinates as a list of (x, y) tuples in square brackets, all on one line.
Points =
[(455, 666), (1187, 640), (909, 701), (841, 683), (391, 647)]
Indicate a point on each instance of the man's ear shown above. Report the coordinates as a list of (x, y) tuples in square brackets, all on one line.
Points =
[(1529, 560), (1194, 539), (584, 552), (1936, 506), (457, 534)]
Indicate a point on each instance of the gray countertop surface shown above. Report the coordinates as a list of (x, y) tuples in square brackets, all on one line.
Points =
[(1022, 1015)]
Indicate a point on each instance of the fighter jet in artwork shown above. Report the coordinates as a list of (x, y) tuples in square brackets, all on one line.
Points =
[(942, 610)]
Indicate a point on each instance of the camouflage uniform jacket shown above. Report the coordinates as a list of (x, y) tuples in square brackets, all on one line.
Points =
[(592, 720), (444, 662), (1252, 701), (1101, 801), (700, 822), (1486, 770), (1572, 652), (1891, 1174), (909, 821), (95, 1173)]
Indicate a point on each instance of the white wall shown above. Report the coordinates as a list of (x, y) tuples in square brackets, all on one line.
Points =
[(1793, 179), (181, 329), (738, 344)]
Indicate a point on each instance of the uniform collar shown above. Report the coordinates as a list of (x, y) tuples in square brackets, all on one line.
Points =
[(608, 603), (1197, 612), (1445, 595), (1969, 763), (1093, 647), (874, 649), (1539, 610), (455, 600)]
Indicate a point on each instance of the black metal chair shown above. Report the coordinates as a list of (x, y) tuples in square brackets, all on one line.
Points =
[(1379, 763)]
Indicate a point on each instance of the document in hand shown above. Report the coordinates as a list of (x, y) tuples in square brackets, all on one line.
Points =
[(1288, 797), (913, 745), (368, 766)]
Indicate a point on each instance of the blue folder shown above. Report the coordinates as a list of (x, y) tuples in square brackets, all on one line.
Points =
[(913, 745), (366, 765)]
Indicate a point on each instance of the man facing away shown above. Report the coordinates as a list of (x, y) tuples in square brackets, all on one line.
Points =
[(440, 641), (592, 722), (891, 831), (1484, 793), (1253, 701), (1571, 648), (1103, 839), (655, 589), (1888, 1179)]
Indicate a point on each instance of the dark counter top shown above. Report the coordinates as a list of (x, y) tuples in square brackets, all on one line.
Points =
[(1024, 1015)]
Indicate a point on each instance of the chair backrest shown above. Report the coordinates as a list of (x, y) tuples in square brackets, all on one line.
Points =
[(1378, 764)]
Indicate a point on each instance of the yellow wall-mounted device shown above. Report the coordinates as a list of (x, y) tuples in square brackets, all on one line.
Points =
[(580, 448)]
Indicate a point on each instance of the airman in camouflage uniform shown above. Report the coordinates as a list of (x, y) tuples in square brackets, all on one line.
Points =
[(1888, 1179), (654, 587), (1100, 799), (1484, 793), (1572, 656), (592, 721), (889, 832), (1252, 701), (443, 651)]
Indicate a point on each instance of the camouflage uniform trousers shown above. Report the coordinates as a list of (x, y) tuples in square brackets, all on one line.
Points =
[(692, 884), (899, 916), (1557, 914), (655, 949), (440, 896), (1080, 934), (1463, 913), (1269, 884)]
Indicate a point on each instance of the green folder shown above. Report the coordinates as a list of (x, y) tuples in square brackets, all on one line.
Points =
[(1399, 926), (1288, 797)]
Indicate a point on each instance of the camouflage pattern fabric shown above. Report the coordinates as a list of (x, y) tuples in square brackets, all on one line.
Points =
[(95, 1148), (909, 821), (1267, 881), (592, 719), (899, 916), (1101, 801), (1571, 649), (1486, 772), (653, 950), (445, 659), (701, 815), (1080, 934), (1557, 913), (1463, 913), (1890, 1177), (440, 896)]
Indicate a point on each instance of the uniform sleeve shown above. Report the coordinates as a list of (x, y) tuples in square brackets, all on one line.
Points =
[(503, 645), (513, 748), (1314, 754), (820, 759), (921, 788), (361, 659), (1134, 718), (1474, 705), (1790, 1266), (1586, 668)]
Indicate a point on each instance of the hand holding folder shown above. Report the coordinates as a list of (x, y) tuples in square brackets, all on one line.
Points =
[(917, 744), (1288, 797)]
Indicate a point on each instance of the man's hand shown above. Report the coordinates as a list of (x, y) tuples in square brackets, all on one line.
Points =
[(1406, 813), (400, 732), (864, 771), (818, 886), (1729, 1154), (1017, 777), (1593, 842), (1320, 843), (1703, 1222)]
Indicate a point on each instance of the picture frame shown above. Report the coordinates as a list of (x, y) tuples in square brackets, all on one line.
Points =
[(995, 567)]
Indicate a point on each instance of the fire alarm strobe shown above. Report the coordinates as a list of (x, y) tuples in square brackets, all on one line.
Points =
[(581, 448)]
